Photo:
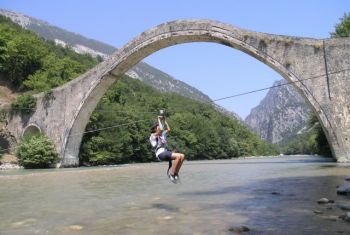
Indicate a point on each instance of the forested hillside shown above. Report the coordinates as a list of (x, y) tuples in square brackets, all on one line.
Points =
[(32, 63), (197, 129)]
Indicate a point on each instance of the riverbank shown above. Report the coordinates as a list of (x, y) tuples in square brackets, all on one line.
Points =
[(10, 166), (9, 162)]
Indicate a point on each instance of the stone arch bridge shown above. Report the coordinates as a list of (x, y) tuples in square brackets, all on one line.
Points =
[(318, 69)]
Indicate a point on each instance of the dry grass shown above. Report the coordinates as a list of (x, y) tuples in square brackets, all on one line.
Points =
[(7, 96), (8, 158)]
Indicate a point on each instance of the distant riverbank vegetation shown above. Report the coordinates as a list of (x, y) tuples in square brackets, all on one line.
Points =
[(312, 141)]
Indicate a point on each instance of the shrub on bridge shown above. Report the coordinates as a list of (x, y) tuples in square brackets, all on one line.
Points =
[(36, 151), (24, 104)]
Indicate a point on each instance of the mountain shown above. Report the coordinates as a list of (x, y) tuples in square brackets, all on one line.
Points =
[(62, 37), (81, 44), (282, 114)]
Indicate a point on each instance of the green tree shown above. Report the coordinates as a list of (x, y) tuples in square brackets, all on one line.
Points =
[(23, 59), (54, 72), (24, 104), (3, 53), (342, 29), (30, 62), (36, 151), (313, 141), (318, 140)]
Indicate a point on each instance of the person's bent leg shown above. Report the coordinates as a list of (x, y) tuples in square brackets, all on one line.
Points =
[(176, 162), (179, 158), (182, 159)]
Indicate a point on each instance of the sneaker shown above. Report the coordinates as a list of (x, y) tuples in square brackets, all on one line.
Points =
[(177, 178), (172, 178)]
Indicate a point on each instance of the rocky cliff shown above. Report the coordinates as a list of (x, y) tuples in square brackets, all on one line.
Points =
[(280, 115)]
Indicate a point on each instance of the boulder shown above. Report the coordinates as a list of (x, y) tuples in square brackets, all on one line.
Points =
[(344, 189)]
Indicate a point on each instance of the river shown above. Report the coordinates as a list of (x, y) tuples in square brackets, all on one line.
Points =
[(267, 195)]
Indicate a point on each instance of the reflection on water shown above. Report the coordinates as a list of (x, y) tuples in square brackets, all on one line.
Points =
[(268, 195)]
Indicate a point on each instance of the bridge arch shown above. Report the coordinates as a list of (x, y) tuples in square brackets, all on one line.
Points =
[(318, 69), (283, 54)]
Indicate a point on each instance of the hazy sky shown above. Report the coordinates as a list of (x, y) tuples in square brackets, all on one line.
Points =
[(216, 70)]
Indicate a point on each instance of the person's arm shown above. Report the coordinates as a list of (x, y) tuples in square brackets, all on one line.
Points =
[(167, 126), (160, 124)]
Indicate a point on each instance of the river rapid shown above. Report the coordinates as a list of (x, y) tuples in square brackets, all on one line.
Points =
[(276, 195)]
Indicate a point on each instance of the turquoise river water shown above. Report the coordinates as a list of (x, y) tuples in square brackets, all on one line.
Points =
[(276, 195)]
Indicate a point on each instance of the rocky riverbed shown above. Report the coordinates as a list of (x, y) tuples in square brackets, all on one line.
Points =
[(10, 166), (9, 162)]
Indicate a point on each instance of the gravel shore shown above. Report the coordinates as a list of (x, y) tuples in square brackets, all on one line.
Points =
[(9, 166)]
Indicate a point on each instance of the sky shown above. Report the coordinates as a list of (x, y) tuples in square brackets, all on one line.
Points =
[(214, 69)]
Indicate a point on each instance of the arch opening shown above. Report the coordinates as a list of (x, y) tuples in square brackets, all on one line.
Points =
[(31, 130)]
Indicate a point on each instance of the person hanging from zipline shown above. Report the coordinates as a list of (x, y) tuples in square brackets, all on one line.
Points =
[(159, 130)]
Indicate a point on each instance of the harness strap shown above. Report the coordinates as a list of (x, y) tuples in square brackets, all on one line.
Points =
[(158, 146)]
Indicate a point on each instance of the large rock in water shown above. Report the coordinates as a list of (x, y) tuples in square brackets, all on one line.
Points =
[(344, 189), (281, 114)]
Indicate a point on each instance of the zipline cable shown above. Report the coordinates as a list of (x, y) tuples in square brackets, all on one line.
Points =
[(212, 101), (109, 127), (94, 130), (271, 87)]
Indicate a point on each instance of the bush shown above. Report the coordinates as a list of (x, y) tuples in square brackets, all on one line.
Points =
[(24, 104), (36, 151)]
